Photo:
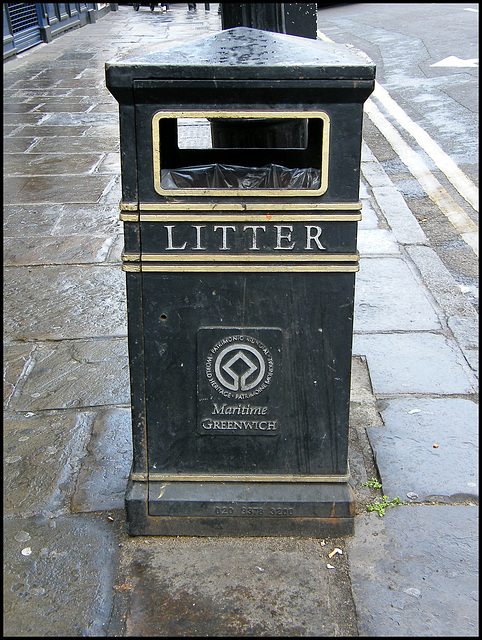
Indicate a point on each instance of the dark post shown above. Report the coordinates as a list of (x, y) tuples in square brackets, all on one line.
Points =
[(297, 19), (301, 19)]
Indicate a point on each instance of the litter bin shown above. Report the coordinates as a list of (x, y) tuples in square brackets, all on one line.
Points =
[(240, 259)]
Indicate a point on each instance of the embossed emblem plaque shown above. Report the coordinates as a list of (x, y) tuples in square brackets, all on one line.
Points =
[(239, 381)]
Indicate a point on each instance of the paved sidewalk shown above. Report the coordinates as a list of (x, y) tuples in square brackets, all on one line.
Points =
[(70, 568)]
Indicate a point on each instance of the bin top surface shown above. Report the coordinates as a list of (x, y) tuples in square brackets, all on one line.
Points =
[(244, 53)]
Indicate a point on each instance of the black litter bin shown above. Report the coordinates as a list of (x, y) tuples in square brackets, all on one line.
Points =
[(240, 161)]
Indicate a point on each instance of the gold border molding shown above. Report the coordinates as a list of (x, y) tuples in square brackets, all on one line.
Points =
[(156, 152), (129, 217), (131, 212), (234, 217), (240, 257), (239, 206), (185, 267), (239, 217), (242, 477)]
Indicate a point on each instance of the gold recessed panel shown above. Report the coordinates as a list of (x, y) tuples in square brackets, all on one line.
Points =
[(240, 206), (240, 477), (236, 267), (217, 257), (212, 115)]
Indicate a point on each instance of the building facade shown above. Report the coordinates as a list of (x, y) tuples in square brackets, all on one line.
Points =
[(26, 24)]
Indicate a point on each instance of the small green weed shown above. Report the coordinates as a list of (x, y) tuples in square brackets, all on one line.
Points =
[(373, 483), (380, 506)]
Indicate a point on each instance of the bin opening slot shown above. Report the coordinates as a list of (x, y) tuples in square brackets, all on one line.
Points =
[(222, 176), (242, 152), (244, 133)]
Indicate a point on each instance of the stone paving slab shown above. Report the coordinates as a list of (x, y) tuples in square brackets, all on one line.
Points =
[(388, 298), (59, 575), (415, 572), (102, 107), (53, 163), (62, 302), (62, 106), (86, 144), (28, 220), (236, 587), (363, 409), (442, 285), (373, 171), (376, 241), (115, 252), (404, 363), (42, 454), (15, 145), (363, 413), (88, 220), (401, 220), (369, 217), (45, 131), (68, 189), (15, 359), (54, 250), (66, 120), (110, 164), (17, 108), (75, 373), (466, 332), (102, 479), (408, 461), (112, 193), (16, 120)]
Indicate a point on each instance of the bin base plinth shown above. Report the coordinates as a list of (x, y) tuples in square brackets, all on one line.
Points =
[(187, 508)]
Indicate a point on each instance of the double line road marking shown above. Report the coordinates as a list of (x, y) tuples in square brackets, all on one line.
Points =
[(417, 167)]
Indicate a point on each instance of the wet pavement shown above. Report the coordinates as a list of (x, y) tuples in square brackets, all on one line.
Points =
[(70, 568)]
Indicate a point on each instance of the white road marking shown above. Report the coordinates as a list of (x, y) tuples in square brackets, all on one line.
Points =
[(322, 36), (453, 61), (432, 187), (436, 192), (460, 181)]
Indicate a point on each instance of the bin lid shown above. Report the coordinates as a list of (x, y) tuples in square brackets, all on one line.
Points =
[(243, 53)]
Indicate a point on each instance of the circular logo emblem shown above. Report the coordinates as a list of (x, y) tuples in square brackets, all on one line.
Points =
[(239, 367)]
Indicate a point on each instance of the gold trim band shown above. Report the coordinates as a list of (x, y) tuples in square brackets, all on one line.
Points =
[(239, 267), (130, 257), (245, 477), (239, 217), (231, 257), (129, 217), (238, 206), (236, 217)]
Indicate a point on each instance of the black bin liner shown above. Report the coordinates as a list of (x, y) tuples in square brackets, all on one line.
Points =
[(223, 176)]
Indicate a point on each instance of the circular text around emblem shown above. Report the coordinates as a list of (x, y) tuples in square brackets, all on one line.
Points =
[(239, 367)]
